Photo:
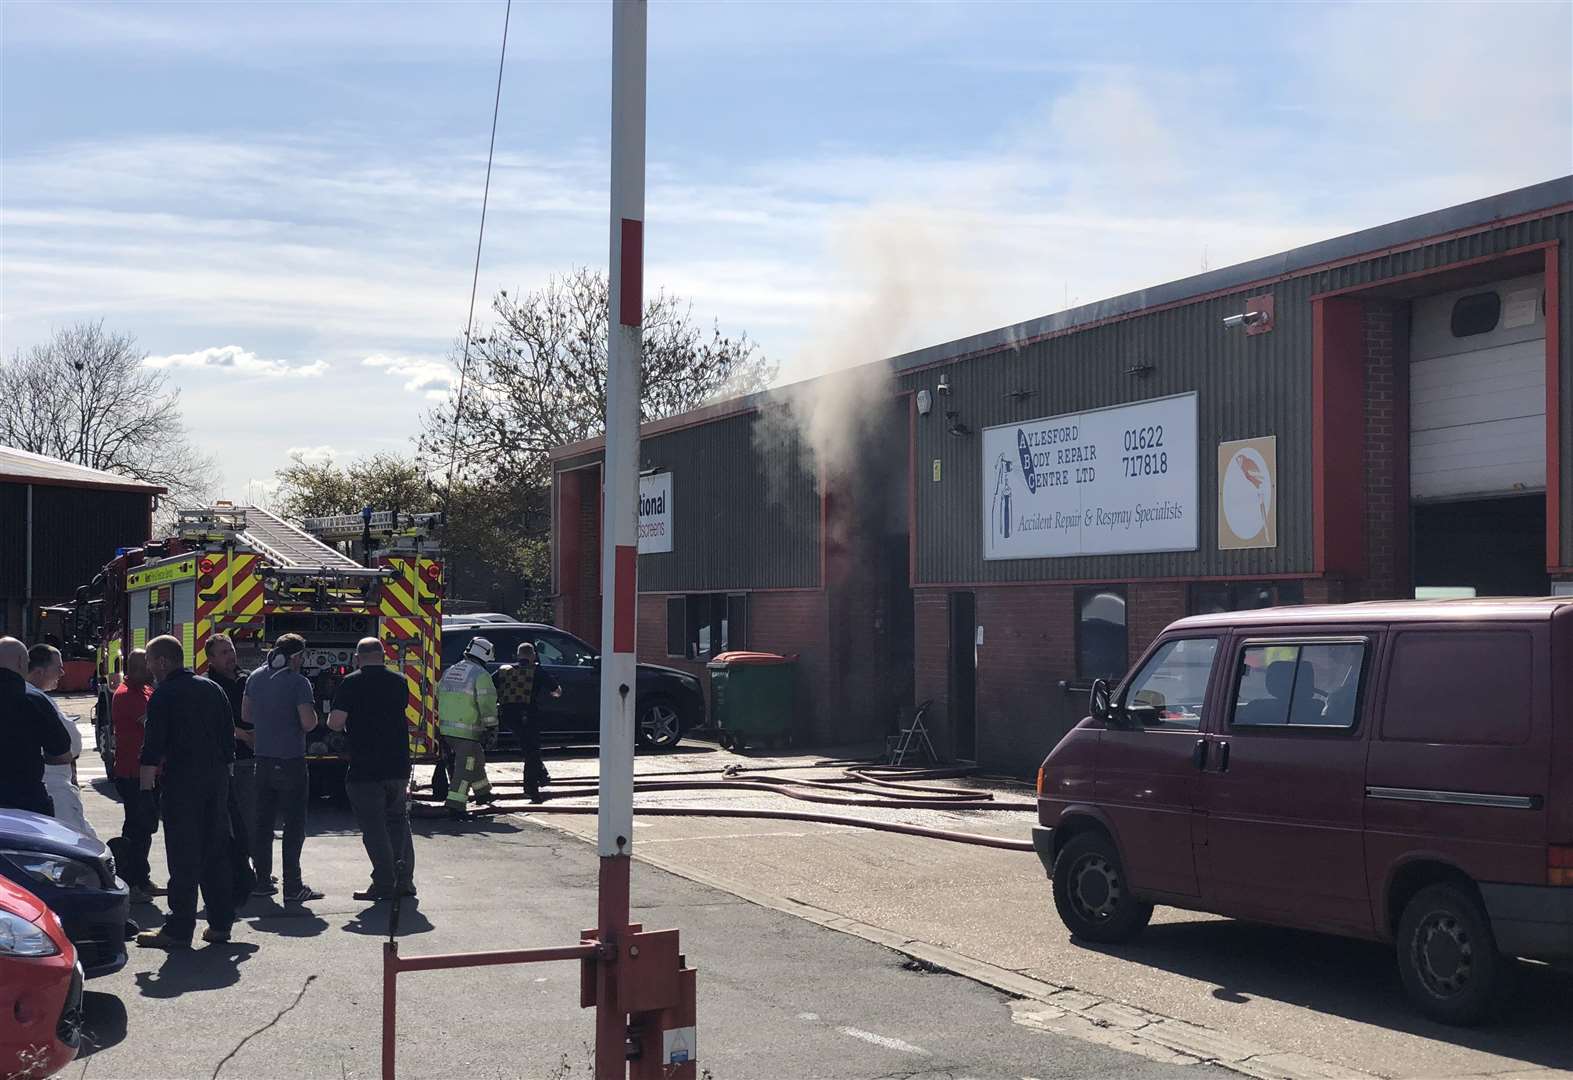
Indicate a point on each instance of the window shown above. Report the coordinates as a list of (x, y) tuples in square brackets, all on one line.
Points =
[(1207, 597), (701, 626), (1299, 684), (158, 615), (1171, 690), (1461, 688), (562, 650), (677, 626), (1476, 313), (1101, 646)]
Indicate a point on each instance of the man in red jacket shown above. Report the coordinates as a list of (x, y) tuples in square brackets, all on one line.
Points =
[(128, 712)]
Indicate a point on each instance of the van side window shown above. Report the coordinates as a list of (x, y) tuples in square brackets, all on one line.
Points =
[(1299, 684), (1465, 688), (1170, 691)]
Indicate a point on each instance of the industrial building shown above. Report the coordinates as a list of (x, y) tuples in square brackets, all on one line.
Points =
[(59, 524), (1008, 516)]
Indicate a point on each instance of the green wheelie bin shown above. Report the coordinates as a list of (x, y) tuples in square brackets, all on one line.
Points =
[(752, 698)]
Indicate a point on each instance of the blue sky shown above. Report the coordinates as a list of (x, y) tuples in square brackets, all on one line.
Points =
[(280, 200)]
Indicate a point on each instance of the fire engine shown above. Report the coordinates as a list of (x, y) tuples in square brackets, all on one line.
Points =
[(250, 574)]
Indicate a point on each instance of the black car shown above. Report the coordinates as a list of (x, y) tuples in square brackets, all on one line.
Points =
[(669, 702), (75, 875)]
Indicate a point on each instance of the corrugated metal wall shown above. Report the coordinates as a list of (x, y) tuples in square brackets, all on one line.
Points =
[(745, 507), (1246, 385), (75, 532)]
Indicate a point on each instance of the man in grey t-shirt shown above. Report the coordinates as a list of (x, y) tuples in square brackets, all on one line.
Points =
[(281, 707)]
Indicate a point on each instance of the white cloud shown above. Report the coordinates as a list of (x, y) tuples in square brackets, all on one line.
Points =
[(233, 358), (421, 375)]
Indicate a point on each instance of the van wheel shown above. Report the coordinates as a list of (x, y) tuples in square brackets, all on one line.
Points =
[(1447, 955), (1091, 893)]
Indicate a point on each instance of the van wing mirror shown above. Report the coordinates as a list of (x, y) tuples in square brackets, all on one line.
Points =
[(1098, 701)]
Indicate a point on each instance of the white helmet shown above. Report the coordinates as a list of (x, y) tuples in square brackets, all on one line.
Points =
[(480, 650)]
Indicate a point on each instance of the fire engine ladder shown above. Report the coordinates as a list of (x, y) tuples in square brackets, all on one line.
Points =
[(290, 548)]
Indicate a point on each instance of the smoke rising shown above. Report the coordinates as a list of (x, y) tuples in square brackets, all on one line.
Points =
[(898, 270)]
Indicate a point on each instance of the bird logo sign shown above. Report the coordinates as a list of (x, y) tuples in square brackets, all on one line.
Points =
[(1247, 493)]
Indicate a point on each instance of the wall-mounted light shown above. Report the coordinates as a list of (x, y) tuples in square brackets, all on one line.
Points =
[(1020, 395), (944, 384), (956, 428), (1141, 369), (651, 470), (1245, 318), (925, 402)]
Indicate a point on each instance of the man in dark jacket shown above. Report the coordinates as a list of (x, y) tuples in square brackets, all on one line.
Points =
[(191, 736), (30, 735)]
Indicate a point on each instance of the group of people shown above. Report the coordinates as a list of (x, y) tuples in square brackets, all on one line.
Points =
[(470, 704), (217, 759)]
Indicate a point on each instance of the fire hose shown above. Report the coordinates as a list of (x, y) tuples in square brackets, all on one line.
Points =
[(876, 786)]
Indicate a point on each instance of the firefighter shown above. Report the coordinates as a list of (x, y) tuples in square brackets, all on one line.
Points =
[(517, 685), (467, 716)]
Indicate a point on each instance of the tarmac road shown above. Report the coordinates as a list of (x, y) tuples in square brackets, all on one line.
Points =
[(297, 994), (1323, 999)]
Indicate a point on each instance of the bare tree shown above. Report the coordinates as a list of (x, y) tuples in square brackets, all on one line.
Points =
[(538, 378), (85, 396)]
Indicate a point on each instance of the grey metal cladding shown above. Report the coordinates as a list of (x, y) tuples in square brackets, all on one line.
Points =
[(745, 508), (1246, 386)]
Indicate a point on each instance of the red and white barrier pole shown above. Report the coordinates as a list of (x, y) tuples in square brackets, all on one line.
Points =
[(620, 551)]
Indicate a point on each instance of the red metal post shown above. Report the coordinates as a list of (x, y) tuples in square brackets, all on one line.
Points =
[(390, 1005)]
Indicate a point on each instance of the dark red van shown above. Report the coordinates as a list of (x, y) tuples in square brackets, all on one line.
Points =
[(1395, 771)]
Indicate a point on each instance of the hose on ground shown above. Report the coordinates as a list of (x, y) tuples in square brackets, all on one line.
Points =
[(863, 784), (1002, 843)]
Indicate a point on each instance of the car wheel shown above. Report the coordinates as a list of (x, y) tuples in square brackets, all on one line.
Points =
[(1091, 892), (1447, 955), (660, 726)]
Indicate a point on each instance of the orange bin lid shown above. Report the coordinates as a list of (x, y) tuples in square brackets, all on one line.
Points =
[(759, 658)]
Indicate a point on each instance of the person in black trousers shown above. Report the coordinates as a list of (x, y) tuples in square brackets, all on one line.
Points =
[(370, 706), (518, 686), (191, 736)]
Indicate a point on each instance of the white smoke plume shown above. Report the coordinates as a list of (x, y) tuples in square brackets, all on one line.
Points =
[(898, 269)]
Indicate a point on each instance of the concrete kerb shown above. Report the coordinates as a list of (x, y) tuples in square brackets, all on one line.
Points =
[(1063, 1010)]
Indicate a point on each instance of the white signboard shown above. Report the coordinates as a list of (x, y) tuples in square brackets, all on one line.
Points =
[(1113, 480), (655, 513)]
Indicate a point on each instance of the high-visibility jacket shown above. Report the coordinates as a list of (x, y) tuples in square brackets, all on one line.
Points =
[(466, 701)]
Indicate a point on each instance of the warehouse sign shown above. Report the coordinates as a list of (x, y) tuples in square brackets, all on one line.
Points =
[(1108, 481), (655, 513)]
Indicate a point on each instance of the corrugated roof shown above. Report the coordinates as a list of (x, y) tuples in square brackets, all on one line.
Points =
[(22, 466), (1541, 198)]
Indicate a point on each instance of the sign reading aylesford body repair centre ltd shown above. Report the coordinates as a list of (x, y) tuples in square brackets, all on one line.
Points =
[(655, 513), (1111, 480)]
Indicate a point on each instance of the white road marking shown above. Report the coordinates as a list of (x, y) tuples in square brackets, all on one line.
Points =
[(884, 1040), (722, 836), (808, 1016)]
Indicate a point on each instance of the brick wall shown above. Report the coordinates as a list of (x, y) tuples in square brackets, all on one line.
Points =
[(790, 623), (1385, 452), (931, 651), (1151, 607)]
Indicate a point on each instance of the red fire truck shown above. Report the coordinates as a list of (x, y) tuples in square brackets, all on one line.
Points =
[(249, 573)]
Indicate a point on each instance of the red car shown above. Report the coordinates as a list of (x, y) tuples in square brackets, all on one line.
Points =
[(40, 988)]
